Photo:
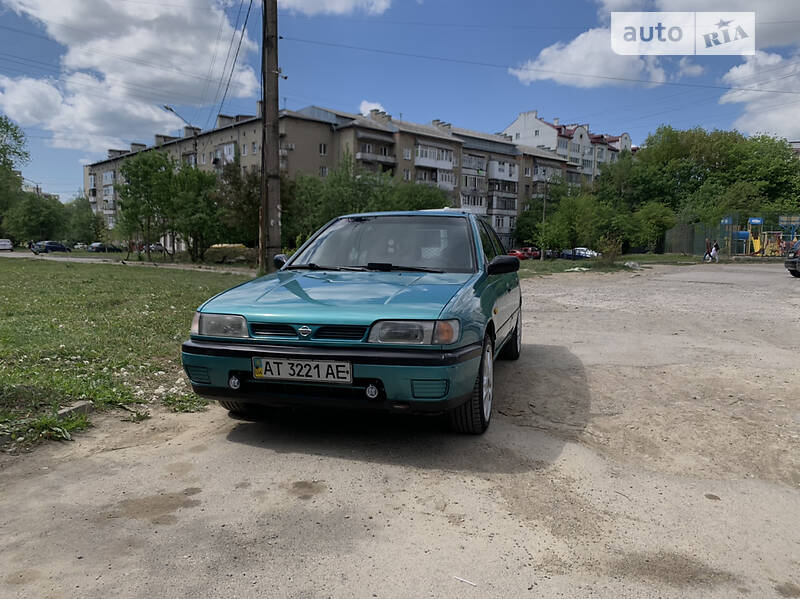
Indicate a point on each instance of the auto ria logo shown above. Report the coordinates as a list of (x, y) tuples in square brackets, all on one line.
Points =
[(682, 33)]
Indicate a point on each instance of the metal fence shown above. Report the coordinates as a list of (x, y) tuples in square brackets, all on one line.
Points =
[(762, 234)]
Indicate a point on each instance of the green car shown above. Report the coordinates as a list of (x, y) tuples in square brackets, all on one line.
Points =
[(398, 311)]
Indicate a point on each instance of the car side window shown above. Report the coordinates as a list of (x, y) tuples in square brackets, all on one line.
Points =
[(498, 244), (486, 241)]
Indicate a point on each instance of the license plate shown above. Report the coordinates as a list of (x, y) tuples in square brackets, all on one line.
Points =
[(302, 370)]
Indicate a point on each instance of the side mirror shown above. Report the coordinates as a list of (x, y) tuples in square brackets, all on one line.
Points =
[(279, 260), (503, 264)]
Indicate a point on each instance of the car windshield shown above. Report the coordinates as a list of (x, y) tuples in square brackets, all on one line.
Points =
[(424, 243)]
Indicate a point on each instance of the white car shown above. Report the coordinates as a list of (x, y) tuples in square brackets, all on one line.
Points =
[(6, 245)]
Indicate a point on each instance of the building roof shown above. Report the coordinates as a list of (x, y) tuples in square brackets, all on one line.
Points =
[(541, 153)]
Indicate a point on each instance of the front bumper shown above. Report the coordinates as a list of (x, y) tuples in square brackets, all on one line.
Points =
[(411, 380), (791, 264)]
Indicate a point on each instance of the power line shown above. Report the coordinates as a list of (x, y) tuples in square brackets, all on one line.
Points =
[(223, 18), (531, 69), (225, 65), (235, 57)]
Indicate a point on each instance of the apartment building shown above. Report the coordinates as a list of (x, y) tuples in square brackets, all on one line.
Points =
[(585, 151), (489, 181)]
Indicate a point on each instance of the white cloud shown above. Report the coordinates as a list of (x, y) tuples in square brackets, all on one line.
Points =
[(776, 20), (687, 68), (766, 112), (336, 7), (122, 63), (366, 106), (588, 54)]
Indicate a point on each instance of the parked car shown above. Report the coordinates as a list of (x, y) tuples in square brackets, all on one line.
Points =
[(518, 254), (156, 247), (99, 246), (79, 246), (49, 246), (6, 245), (533, 252), (579, 254), (792, 262), (399, 311)]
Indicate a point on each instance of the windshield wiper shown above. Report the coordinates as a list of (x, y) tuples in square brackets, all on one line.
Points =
[(311, 266), (386, 266)]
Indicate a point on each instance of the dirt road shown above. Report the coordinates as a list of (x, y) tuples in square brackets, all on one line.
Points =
[(645, 445)]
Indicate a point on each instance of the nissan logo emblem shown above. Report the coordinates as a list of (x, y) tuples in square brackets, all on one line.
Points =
[(304, 331)]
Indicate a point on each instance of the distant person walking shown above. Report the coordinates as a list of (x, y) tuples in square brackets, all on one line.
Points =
[(714, 255), (707, 255)]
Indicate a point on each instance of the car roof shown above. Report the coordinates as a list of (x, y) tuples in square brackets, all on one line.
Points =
[(434, 212)]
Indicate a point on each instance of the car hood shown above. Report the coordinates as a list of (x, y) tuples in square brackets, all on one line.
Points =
[(318, 297)]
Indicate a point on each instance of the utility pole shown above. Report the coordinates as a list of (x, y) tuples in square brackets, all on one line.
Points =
[(269, 232)]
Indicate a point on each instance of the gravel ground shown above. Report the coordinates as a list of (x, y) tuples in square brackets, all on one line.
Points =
[(645, 445)]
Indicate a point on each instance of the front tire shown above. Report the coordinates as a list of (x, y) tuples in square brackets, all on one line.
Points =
[(795, 273), (235, 407), (473, 416)]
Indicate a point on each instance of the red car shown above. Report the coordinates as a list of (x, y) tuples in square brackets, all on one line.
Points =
[(532, 252), (519, 254)]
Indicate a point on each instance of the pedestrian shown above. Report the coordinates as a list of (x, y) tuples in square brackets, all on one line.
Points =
[(707, 255), (714, 255)]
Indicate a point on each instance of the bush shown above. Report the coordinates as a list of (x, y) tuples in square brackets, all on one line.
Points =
[(611, 249)]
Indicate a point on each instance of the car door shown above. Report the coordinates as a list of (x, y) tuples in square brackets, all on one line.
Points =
[(494, 288), (509, 287)]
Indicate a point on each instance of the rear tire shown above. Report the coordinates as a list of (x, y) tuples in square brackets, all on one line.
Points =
[(795, 273), (473, 416)]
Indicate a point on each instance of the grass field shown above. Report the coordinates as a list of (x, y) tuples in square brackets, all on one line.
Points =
[(107, 333)]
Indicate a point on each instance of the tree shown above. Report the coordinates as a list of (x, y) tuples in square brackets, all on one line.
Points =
[(35, 217), (13, 149), (239, 199), (196, 212), (145, 194), (82, 224), (651, 222)]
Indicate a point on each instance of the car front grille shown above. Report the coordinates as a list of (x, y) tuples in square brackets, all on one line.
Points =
[(343, 332), (268, 329)]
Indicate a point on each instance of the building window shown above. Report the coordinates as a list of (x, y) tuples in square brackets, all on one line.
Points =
[(384, 151), (203, 158), (108, 177), (323, 149), (562, 143), (516, 136), (536, 133), (407, 153), (323, 171), (91, 181), (406, 175), (255, 148), (366, 148), (244, 149), (527, 171), (512, 221), (499, 222)]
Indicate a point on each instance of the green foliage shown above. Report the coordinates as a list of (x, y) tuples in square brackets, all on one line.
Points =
[(650, 223), (146, 195), (194, 213), (13, 149), (82, 224), (310, 202), (238, 195), (34, 217)]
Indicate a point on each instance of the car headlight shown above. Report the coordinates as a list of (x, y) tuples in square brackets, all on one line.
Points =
[(219, 325), (415, 332)]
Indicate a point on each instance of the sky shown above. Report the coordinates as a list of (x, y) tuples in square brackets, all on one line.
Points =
[(83, 76)]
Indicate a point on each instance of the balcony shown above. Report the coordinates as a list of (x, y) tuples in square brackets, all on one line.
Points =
[(446, 165), (474, 163), (369, 157), (503, 172), (446, 185)]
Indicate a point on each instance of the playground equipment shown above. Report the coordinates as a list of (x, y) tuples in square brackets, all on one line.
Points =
[(790, 226), (754, 226)]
